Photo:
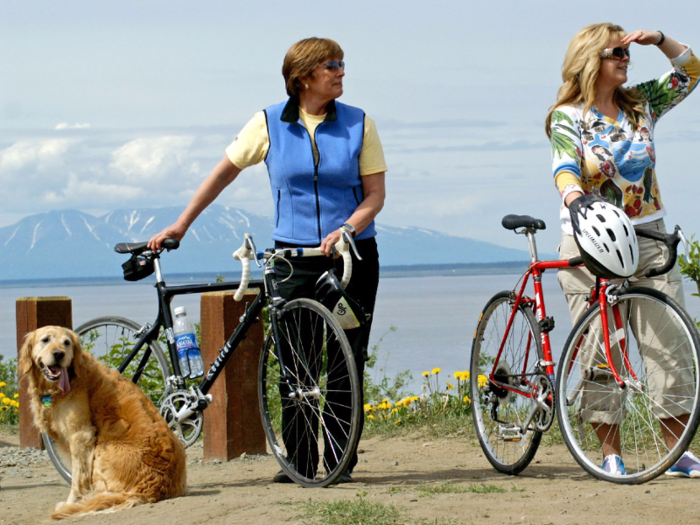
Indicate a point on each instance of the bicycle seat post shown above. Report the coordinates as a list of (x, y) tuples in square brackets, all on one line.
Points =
[(159, 273), (530, 234)]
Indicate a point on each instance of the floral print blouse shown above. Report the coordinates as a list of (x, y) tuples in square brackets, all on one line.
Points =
[(611, 158)]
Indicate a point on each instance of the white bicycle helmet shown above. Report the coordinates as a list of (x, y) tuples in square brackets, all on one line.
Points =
[(605, 237)]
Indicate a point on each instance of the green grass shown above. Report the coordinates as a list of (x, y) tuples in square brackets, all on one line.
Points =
[(360, 511), (453, 488), (352, 512)]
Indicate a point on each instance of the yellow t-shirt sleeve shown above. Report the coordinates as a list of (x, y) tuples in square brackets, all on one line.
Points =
[(253, 142), (372, 154), (250, 145)]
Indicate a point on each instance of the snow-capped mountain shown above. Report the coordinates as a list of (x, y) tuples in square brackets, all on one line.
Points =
[(69, 244)]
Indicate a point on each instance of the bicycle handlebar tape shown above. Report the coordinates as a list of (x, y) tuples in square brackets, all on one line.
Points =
[(243, 254), (343, 248), (671, 241)]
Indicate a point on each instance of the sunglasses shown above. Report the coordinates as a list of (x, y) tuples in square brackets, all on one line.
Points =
[(334, 65), (618, 53)]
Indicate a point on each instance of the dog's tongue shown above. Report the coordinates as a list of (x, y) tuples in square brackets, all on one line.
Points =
[(64, 382)]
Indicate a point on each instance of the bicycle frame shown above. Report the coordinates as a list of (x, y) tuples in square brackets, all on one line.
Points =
[(599, 294), (164, 320)]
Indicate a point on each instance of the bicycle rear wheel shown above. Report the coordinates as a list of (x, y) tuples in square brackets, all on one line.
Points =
[(313, 422), (654, 347), (504, 392), (110, 340)]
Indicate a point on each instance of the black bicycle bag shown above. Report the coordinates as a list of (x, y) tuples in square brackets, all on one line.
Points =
[(137, 268)]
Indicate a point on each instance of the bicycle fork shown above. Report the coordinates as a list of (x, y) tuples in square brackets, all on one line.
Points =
[(606, 370)]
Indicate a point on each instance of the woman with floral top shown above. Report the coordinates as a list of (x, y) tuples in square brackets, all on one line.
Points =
[(602, 137)]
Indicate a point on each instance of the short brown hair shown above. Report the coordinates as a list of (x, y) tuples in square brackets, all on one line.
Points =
[(303, 57)]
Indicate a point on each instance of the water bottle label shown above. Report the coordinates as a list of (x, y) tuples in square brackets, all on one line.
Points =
[(344, 315), (186, 341)]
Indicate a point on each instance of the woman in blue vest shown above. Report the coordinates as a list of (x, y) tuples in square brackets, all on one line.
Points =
[(326, 167)]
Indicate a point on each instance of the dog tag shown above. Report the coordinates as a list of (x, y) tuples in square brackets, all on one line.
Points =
[(46, 401)]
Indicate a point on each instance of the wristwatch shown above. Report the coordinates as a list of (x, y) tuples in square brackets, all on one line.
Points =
[(349, 228)]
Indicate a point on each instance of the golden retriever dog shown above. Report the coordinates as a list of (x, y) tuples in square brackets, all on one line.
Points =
[(121, 450)]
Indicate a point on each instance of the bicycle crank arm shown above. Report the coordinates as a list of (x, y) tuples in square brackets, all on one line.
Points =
[(187, 411), (530, 417)]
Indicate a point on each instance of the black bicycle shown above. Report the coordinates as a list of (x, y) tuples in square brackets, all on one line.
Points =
[(308, 385)]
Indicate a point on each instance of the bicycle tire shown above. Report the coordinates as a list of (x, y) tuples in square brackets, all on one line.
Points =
[(114, 335), (499, 415), (314, 434), (587, 390)]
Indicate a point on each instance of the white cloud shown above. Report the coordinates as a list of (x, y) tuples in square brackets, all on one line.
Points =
[(65, 125), (77, 192), (146, 161), (32, 156)]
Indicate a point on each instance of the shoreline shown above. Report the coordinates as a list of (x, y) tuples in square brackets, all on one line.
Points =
[(417, 270)]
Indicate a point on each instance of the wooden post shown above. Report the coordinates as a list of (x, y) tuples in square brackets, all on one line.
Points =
[(232, 423), (33, 313)]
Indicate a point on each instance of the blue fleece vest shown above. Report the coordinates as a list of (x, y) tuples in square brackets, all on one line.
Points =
[(312, 201)]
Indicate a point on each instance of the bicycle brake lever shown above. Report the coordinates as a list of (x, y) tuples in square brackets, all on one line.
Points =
[(684, 240), (349, 240), (250, 243)]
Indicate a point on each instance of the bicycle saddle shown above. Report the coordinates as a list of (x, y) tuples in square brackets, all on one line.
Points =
[(136, 248), (511, 222)]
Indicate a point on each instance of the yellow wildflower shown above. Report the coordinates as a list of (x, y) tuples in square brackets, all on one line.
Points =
[(16, 396), (426, 373), (465, 375), (483, 380), (2, 384), (436, 370), (394, 410), (466, 399), (368, 408), (15, 404), (2, 395), (398, 422), (449, 385), (6, 400), (370, 416)]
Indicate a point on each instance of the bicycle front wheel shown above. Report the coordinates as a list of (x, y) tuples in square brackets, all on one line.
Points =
[(505, 380), (650, 421), (110, 340), (312, 417)]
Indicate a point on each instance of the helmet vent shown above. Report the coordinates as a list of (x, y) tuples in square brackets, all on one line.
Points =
[(606, 247), (600, 217), (619, 256), (627, 233), (615, 212), (612, 234), (631, 253), (596, 231)]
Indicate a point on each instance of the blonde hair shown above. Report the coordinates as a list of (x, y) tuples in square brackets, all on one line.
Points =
[(303, 57), (579, 73)]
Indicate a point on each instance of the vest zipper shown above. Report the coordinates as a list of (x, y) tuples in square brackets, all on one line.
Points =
[(316, 163)]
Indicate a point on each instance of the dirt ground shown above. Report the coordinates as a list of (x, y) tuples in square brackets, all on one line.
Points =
[(394, 471)]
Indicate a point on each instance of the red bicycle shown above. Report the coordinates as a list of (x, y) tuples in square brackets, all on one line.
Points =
[(628, 373)]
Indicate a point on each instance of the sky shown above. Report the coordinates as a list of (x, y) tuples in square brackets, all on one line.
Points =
[(107, 105)]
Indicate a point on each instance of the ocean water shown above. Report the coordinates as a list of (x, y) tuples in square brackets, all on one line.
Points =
[(420, 322)]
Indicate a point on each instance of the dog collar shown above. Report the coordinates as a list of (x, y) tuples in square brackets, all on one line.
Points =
[(46, 401)]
